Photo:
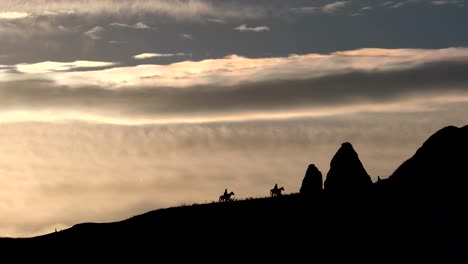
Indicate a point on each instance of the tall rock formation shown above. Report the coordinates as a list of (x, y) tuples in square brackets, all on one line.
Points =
[(438, 169), (312, 182), (347, 174)]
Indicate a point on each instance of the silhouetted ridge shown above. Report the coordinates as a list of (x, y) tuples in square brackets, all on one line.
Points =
[(312, 182), (439, 167), (347, 174)]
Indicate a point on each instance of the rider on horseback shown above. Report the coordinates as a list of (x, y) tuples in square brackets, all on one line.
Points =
[(226, 197), (276, 191)]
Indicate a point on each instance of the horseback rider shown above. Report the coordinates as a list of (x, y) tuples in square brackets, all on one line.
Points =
[(276, 187), (226, 196), (275, 191)]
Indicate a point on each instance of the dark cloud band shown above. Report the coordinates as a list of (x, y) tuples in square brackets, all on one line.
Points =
[(352, 87)]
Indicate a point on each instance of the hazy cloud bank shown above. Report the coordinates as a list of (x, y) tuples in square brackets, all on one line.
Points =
[(237, 88)]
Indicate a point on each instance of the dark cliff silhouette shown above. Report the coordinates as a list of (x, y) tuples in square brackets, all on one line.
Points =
[(431, 191), (415, 215), (347, 174), (438, 170), (312, 182)]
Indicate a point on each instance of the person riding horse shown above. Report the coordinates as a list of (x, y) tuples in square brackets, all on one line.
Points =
[(226, 197), (276, 191)]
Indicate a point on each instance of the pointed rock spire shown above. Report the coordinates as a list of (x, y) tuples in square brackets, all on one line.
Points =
[(312, 182), (347, 174)]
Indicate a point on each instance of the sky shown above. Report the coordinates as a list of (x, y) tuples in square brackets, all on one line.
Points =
[(113, 108)]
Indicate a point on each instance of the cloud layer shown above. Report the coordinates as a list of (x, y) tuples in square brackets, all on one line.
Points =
[(38, 31), (237, 88), (179, 9)]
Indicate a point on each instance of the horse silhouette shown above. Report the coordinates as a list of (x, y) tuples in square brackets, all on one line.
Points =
[(276, 192), (226, 197)]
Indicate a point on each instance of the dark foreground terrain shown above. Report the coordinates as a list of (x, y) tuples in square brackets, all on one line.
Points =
[(418, 214), (286, 228)]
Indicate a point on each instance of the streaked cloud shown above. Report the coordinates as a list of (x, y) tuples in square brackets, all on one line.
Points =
[(366, 8), (401, 3), (387, 3), (306, 9), (335, 7), (31, 27), (398, 4), (116, 42), (52, 66), (95, 33), (447, 2), (330, 8), (138, 25), (186, 36), (13, 15), (219, 21), (143, 56), (243, 28), (178, 9)]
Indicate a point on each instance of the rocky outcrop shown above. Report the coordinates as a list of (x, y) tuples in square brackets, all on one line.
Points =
[(312, 182), (347, 174), (438, 169)]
